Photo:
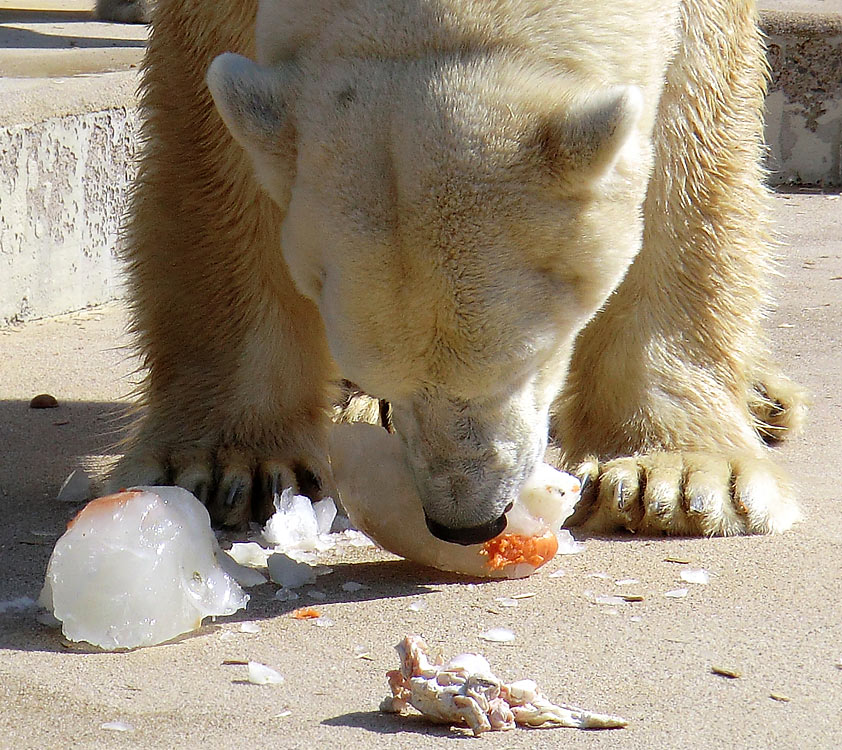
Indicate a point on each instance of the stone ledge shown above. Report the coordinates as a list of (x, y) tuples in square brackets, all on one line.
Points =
[(65, 169), (804, 103)]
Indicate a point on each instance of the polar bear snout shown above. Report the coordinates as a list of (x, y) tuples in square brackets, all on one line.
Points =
[(469, 462)]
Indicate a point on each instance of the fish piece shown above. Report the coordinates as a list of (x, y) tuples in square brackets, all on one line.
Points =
[(464, 690)]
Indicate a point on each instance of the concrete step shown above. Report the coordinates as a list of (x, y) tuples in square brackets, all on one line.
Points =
[(69, 125)]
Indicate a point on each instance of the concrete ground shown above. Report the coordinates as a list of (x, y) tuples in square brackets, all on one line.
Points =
[(771, 610)]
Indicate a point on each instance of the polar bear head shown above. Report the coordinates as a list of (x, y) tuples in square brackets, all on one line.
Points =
[(457, 221)]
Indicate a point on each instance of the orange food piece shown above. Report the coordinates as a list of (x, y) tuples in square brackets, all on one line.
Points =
[(108, 502), (512, 549), (305, 613)]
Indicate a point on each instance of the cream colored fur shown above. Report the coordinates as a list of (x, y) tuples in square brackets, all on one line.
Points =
[(495, 215)]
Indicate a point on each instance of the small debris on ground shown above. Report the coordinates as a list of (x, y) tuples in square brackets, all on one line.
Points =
[(289, 573), (567, 545), (780, 697), (498, 635), (676, 593), (117, 726), (43, 401), (677, 560), (731, 674), (362, 652), (695, 575), (305, 613), (77, 488), (260, 674), (507, 601)]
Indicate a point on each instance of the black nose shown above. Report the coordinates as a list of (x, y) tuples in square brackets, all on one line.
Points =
[(466, 534)]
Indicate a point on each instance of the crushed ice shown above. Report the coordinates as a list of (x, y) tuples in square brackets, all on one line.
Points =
[(695, 575), (260, 674), (497, 635), (567, 545), (116, 726)]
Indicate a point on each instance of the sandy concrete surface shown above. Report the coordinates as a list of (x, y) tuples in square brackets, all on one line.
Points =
[(771, 610)]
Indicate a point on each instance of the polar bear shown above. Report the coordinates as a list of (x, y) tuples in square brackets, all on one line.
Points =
[(518, 222)]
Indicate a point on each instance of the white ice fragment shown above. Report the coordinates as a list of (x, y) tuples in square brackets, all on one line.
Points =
[(260, 674), (419, 605), (250, 554), (626, 582), (138, 568), (18, 604), (507, 601), (316, 594), (289, 573), (242, 574), (601, 576), (286, 595), (608, 599), (352, 587), (676, 593), (249, 627), (567, 545), (322, 622), (695, 575), (636, 618), (77, 488), (325, 511), (497, 635), (560, 573), (361, 652), (293, 526), (117, 726)]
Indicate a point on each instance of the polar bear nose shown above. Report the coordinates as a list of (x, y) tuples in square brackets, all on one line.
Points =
[(466, 534)]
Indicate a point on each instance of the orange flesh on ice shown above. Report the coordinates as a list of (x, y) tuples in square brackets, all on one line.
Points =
[(109, 502), (512, 549), (305, 613)]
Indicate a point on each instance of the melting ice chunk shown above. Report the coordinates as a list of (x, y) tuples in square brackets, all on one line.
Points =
[(138, 568)]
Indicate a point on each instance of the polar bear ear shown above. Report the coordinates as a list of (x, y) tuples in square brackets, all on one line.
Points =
[(253, 101), (583, 138)]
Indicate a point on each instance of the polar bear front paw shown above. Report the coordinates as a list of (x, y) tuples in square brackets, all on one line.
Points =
[(683, 493), (236, 483)]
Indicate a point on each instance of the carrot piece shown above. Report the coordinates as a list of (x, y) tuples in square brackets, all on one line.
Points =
[(305, 613), (512, 549)]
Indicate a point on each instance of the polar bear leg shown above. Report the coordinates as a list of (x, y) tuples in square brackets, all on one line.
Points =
[(676, 359), (234, 405)]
